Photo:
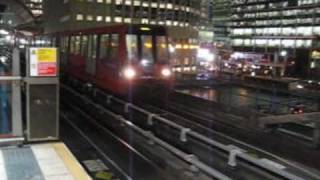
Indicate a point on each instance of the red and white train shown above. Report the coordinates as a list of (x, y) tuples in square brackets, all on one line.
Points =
[(118, 58)]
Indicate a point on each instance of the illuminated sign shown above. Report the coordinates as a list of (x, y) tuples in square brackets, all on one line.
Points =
[(43, 61)]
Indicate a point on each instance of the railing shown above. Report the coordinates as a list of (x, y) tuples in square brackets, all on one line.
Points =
[(190, 159), (234, 153)]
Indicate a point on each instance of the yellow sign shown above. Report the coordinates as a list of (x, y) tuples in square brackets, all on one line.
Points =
[(47, 55)]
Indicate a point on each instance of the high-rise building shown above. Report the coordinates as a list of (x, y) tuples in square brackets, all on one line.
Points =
[(183, 17), (221, 14), (287, 30), (35, 6)]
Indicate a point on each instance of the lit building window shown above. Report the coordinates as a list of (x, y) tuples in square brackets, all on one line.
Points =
[(118, 19), (79, 17), (89, 18), (145, 4), (99, 18), (118, 2), (144, 21), (108, 19), (127, 20), (128, 2), (154, 5), (136, 3)]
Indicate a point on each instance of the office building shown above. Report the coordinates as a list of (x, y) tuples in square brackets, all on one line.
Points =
[(221, 14), (287, 31), (183, 17)]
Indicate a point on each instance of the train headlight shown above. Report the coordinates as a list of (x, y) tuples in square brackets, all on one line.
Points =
[(129, 73), (166, 72)]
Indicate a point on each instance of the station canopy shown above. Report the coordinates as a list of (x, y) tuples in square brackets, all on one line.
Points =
[(14, 14)]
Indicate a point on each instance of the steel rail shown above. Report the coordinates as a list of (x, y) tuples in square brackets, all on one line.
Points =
[(227, 149), (95, 146), (10, 78), (147, 134)]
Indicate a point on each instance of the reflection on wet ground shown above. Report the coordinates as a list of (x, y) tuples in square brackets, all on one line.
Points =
[(272, 102)]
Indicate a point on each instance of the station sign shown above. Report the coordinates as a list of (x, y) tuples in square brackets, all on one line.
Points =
[(43, 62)]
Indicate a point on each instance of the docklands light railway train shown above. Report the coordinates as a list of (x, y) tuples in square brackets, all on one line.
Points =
[(119, 58)]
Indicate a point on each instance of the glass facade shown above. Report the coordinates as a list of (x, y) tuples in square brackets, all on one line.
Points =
[(280, 24)]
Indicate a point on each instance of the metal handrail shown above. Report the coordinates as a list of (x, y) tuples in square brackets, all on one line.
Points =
[(182, 155), (10, 78), (206, 140)]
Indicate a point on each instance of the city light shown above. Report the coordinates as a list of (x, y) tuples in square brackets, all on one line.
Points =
[(205, 54), (144, 62), (172, 49), (166, 72), (283, 53), (299, 86), (3, 32)]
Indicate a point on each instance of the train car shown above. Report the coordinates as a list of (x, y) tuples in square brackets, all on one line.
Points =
[(120, 58)]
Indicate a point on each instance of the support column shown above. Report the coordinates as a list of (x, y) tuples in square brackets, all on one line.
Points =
[(16, 96)]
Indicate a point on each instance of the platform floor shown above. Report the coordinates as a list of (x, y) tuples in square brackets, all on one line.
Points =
[(40, 162)]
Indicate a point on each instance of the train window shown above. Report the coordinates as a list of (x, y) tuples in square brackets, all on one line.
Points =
[(92, 47), (147, 49), (162, 49), (84, 45), (104, 47), (72, 43), (62, 44), (132, 47), (114, 48), (77, 45)]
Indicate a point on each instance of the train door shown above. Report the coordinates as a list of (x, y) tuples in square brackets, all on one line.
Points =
[(91, 58)]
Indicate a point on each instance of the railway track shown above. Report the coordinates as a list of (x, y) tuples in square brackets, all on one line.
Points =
[(280, 139), (229, 159), (117, 151)]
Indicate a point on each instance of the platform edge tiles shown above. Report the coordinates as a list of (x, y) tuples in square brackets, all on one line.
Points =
[(51, 161)]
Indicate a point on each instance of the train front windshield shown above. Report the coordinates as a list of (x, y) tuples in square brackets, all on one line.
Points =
[(147, 49)]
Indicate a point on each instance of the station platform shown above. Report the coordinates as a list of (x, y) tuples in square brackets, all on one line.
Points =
[(52, 161)]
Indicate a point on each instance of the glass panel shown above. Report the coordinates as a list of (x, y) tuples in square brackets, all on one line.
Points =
[(77, 45), (114, 47), (162, 49), (104, 47), (94, 46), (84, 45), (5, 104), (132, 47), (72, 48), (147, 49)]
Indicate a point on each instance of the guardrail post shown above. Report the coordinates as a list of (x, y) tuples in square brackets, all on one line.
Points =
[(150, 119), (127, 107), (192, 158), (183, 134), (232, 161), (109, 98)]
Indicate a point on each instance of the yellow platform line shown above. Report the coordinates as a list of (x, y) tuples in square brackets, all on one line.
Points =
[(75, 169)]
